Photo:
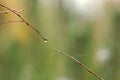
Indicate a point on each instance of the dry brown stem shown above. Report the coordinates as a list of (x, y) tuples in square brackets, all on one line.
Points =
[(8, 11), (23, 20), (9, 22), (81, 64)]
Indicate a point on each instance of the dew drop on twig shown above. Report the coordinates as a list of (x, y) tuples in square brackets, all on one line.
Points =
[(45, 40)]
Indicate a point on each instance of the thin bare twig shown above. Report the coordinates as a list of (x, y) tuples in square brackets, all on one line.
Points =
[(6, 12), (20, 10), (28, 24), (81, 64), (9, 22)]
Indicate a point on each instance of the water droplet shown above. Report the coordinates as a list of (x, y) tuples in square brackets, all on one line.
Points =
[(45, 40)]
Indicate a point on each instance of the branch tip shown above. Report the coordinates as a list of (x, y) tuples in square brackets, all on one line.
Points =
[(45, 40)]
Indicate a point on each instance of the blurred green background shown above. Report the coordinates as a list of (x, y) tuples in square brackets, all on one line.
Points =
[(87, 29)]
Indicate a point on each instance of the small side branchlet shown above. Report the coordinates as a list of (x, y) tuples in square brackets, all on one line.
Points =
[(6, 12), (81, 64), (22, 19), (10, 22)]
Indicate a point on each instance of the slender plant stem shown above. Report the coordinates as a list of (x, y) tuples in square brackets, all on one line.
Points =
[(9, 22), (81, 64), (28, 24), (6, 12)]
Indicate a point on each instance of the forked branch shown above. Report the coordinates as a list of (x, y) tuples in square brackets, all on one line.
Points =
[(23, 20), (81, 64)]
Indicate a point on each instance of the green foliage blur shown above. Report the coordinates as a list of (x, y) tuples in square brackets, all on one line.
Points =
[(94, 41)]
